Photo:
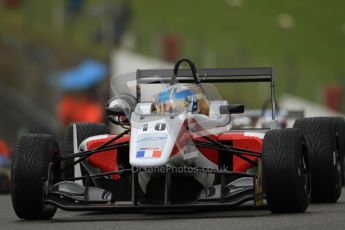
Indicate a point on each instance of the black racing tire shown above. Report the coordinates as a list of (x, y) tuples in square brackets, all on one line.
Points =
[(33, 155), (320, 136), (286, 171), (84, 130), (340, 128)]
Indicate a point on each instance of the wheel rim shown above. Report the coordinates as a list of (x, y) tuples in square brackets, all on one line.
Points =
[(343, 160), (51, 179), (337, 164), (51, 171), (304, 172)]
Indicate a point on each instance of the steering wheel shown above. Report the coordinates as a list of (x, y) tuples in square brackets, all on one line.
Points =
[(192, 68)]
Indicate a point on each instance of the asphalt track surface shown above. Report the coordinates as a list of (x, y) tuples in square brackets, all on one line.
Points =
[(318, 216)]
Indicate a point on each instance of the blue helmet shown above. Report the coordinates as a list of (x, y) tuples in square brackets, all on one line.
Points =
[(177, 99)]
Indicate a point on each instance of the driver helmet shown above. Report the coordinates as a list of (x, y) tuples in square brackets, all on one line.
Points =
[(177, 98)]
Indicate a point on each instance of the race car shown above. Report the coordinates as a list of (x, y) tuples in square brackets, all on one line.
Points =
[(261, 118), (175, 149)]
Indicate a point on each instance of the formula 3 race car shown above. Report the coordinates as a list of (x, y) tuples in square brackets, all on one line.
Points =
[(175, 149)]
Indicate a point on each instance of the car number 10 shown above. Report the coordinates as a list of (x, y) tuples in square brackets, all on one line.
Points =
[(158, 127)]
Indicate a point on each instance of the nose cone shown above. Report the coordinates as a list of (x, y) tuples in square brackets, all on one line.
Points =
[(152, 140)]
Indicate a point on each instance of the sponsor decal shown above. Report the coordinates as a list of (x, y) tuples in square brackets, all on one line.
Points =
[(149, 153), (152, 139)]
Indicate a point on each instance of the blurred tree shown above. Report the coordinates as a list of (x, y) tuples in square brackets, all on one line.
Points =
[(12, 4), (73, 10), (121, 19)]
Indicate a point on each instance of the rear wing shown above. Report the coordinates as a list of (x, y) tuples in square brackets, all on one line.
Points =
[(208, 75), (216, 75)]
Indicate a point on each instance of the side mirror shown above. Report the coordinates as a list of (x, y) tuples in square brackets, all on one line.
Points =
[(231, 109), (119, 109), (116, 111)]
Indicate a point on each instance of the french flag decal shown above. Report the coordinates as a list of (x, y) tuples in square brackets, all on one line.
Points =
[(149, 153)]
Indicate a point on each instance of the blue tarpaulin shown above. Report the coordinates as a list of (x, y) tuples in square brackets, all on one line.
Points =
[(87, 74)]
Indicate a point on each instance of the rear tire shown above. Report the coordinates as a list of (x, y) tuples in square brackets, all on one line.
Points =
[(84, 130), (320, 136), (286, 171), (31, 159)]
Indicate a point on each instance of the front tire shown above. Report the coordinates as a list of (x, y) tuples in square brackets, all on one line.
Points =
[(33, 155), (286, 172)]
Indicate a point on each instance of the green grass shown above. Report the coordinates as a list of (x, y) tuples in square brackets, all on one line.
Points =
[(306, 58)]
